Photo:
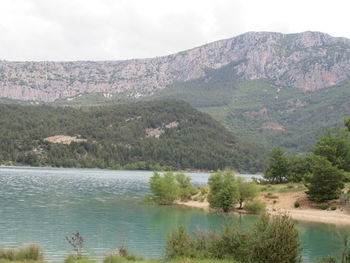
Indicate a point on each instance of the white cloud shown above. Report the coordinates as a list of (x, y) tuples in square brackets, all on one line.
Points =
[(122, 29)]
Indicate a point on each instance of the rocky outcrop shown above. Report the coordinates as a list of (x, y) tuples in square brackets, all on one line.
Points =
[(309, 61)]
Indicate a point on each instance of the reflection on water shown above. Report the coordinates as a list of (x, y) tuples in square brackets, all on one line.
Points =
[(44, 205)]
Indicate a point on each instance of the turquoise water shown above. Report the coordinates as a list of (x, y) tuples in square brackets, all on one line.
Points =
[(43, 205)]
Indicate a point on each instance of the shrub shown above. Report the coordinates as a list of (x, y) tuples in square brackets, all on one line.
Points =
[(323, 206), (333, 207), (185, 187), (296, 204), (179, 244), (30, 252), (165, 189), (275, 239), (223, 191), (255, 207), (247, 190)]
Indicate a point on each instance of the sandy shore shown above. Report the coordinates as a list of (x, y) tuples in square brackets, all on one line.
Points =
[(285, 205)]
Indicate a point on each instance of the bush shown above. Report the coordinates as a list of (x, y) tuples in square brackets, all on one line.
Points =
[(273, 239), (223, 191), (323, 206), (30, 252), (333, 207), (296, 204), (185, 187), (179, 244), (255, 207), (165, 189)]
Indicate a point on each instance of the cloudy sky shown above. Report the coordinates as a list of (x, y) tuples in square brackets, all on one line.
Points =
[(123, 29)]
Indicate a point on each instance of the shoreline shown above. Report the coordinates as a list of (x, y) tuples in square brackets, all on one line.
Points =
[(286, 206)]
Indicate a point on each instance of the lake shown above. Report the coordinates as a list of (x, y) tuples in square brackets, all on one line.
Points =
[(44, 205)]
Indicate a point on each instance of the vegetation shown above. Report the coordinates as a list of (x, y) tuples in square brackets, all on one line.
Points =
[(324, 171), (165, 189), (273, 239), (223, 191), (247, 190), (28, 253), (278, 169), (255, 207), (326, 181), (186, 190), (247, 106), (146, 135)]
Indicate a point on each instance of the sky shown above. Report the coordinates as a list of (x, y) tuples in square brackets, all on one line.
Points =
[(64, 30)]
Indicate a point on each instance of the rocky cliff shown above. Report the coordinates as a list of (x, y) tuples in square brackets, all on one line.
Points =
[(308, 61)]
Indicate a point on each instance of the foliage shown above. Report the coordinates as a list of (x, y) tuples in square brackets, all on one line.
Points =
[(165, 190), (278, 170), (27, 253), (247, 190), (296, 204), (179, 244), (223, 191), (255, 207), (117, 136), (246, 106), (299, 166), (77, 243), (347, 123), (276, 240), (323, 206), (185, 187), (271, 240), (325, 182), (335, 147)]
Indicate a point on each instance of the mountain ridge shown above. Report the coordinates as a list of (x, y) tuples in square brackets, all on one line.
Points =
[(308, 61)]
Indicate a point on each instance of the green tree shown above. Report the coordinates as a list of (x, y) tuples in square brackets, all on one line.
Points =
[(185, 187), (247, 190), (165, 189), (335, 146), (278, 167), (325, 182), (223, 191), (299, 167)]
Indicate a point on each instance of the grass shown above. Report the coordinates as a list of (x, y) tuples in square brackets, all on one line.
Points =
[(28, 253)]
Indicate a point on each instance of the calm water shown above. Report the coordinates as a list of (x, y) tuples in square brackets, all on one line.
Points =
[(43, 205)]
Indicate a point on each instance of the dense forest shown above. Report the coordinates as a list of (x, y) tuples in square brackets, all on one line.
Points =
[(144, 135)]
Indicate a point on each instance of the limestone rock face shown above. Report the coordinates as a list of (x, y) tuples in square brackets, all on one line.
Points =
[(309, 61)]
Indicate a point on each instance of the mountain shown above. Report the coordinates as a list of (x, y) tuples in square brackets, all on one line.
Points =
[(143, 135), (308, 61), (271, 89)]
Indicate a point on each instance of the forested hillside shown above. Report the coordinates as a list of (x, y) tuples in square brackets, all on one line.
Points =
[(262, 113), (144, 135)]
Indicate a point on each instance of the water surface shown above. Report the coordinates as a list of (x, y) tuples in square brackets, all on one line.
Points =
[(43, 205)]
